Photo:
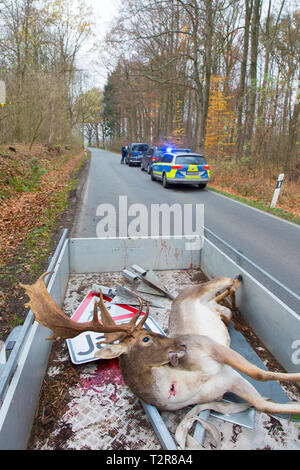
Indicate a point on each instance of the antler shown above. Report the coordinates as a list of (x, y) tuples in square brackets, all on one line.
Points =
[(130, 327), (48, 314)]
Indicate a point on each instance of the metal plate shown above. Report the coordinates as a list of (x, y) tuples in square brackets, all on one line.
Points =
[(245, 418)]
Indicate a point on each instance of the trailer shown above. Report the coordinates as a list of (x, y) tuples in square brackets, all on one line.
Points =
[(24, 361)]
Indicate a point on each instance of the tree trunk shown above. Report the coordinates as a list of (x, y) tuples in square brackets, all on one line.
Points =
[(208, 68), (253, 70), (291, 153), (240, 105)]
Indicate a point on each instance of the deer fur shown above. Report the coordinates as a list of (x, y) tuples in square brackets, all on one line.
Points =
[(194, 364)]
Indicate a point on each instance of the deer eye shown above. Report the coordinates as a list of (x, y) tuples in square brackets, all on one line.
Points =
[(146, 339)]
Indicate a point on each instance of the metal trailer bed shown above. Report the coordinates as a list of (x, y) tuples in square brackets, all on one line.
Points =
[(22, 372)]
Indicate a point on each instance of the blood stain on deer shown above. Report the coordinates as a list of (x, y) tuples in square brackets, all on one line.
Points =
[(172, 391)]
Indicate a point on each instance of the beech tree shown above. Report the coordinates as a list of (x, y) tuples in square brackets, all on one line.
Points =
[(39, 43), (220, 121), (166, 52)]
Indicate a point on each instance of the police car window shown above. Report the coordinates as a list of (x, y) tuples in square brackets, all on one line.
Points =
[(190, 160), (168, 158)]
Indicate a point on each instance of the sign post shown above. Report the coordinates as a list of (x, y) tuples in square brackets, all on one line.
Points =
[(277, 190)]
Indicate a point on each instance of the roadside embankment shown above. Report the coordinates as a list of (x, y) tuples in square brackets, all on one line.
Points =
[(36, 187), (254, 185)]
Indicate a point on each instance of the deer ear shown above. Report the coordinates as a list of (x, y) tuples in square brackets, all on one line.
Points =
[(111, 351)]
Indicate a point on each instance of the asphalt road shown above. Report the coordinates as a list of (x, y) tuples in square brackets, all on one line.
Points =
[(270, 242)]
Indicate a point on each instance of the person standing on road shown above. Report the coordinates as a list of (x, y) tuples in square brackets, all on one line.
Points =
[(124, 153)]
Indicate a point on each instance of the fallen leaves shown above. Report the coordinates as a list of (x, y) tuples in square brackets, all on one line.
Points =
[(22, 213), (256, 184), (28, 219)]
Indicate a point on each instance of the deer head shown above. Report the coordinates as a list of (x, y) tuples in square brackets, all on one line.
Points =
[(141, 345)]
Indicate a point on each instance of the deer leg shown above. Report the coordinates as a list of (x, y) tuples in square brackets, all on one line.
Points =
[(245, 390), (231, 291), (225, 314), (53, 338), (232, 358), (220, 297), (208, 291)]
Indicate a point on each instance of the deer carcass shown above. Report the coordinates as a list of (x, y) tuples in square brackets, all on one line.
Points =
[(193, 365)]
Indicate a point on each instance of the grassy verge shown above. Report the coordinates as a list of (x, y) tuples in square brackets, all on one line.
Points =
[(290, 216), (38, 242)]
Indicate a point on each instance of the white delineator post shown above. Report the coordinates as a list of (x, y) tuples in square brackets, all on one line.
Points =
[(277, 190)]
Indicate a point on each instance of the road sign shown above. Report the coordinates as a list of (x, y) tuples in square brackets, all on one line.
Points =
[(82, 348)]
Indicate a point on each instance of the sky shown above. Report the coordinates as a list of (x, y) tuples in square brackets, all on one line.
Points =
[(104, 13), (104, 10)]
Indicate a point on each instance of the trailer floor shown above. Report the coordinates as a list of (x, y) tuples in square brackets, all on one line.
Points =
[(89, 406)]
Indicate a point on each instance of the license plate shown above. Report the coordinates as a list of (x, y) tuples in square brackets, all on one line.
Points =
[(193, 173)]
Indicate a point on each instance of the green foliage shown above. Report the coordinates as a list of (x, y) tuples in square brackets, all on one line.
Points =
[(16, 321), (110, 109), (26, 177)]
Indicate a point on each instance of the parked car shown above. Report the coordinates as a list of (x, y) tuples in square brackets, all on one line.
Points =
[(181, 167), (135, 153), (151, 156)]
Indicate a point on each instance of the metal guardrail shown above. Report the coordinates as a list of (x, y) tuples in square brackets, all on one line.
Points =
[(12, 362), (288, 296)]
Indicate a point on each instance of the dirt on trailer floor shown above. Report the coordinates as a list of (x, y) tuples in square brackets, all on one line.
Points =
[(89, 406)]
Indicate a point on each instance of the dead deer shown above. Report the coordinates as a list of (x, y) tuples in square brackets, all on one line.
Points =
[(193, 365)]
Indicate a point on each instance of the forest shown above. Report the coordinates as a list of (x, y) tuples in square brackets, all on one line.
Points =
[(40, 150), (218, 76), (39, 44)]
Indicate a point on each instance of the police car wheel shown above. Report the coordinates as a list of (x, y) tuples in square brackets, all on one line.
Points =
[(149, 170), (164, 181), (152, 176), (202, 185)]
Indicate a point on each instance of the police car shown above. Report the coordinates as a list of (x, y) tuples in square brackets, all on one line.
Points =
[(181, 167)]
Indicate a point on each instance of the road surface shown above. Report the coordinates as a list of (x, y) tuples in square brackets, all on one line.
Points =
[(270, 242)]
